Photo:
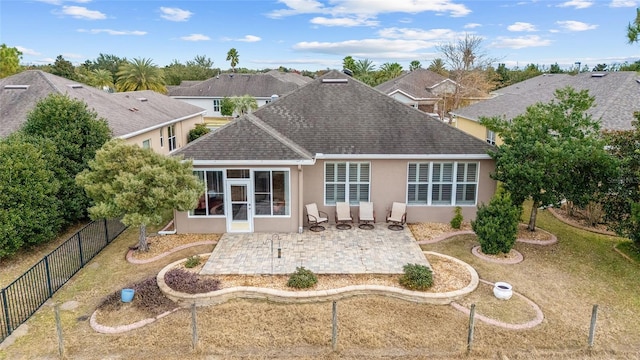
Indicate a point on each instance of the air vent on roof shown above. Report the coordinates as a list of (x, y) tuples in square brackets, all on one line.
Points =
[(347, 71), (16, 87), (143, 99), (598, 74), (274, 97), (335, 81), (133, 109), (638, 81), (75, 86)]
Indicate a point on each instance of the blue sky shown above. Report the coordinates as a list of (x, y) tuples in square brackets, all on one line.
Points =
[(315, 34)]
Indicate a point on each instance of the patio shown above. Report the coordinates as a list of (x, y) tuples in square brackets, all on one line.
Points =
[(333, 251)]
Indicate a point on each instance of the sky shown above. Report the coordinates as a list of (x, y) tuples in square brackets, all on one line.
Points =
[(318, 34)]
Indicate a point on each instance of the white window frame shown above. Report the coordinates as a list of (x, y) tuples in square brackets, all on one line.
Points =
[(207, 193), (456, 185), (161, 137), (146, 144), (491, 137), (171, 136), (216, 105), (287, 199), (347, 182)]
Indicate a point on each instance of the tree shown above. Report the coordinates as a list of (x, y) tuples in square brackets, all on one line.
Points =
[(227, 106), (391, 70), (633, 29), (9, 61), (63, 68), (349, 63), (244, 104), (77, 133), (555, 69), (552, 151), (28, 187), (234, 58), (600, 67), (196, 132), (140, 74), (138, 185), (363, 67), (496, 224), (437, 66), (102, 79), (415, 64)]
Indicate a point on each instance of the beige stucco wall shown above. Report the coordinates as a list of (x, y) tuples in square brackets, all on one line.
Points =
[(474, 129), (182, 131)]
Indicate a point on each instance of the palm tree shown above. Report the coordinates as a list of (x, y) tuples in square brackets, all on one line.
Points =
[(633, 29), (233, 56), (415, 64), (391, 70), (102, 79), (363, 67), (244, 104), (140, 74), (437, 66)]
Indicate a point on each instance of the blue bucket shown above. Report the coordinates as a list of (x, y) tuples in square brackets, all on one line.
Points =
[(127, 295)]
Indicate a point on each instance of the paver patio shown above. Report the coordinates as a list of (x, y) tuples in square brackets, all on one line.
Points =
[(333, 251)]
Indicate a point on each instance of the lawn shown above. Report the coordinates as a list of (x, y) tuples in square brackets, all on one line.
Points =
[(565, 279)]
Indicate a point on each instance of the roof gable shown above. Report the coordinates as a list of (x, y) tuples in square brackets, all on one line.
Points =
[(417, 84)]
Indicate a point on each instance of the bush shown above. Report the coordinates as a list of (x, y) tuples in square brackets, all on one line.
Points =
[(302, 279), (190, 283), (416, 277), (594, 213), (198, 131), (456, 222), (496, 224), (147, 298), (227, 106), (192, 261)]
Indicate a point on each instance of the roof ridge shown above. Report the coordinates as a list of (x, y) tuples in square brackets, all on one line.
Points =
[(278, 136), (42, 74)]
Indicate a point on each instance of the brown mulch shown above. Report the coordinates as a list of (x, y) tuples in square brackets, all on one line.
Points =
[(431, 230), (160, 244), (579, 220)]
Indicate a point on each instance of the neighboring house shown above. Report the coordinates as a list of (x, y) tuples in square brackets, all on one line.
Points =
[(145, 118), (208, 94), (617, 97), (334, 139), (425, 90)]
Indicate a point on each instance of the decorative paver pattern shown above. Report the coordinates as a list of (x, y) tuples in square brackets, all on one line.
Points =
[(333, 251)]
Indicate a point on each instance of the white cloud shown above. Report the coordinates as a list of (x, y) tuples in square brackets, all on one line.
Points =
[(250, 38), (572, 25), (520, 42), (113, 32), (418, 34), (343, 21), (26, 51), (366, 48), (195, 37), (59, 2), (175, 14), (80, 12), (521, 26), (296, 7), (472, 25), (623, 3), (578, 4)]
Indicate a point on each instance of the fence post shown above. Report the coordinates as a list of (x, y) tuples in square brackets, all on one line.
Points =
[(471, 325), (194, 327), (7, 318), (59, 330), (80, 248), (334, 330), (46, 267), (592, 329), (106, 231)]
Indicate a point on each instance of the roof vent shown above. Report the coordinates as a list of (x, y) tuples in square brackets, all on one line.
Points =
[(335, 81), (75, 86), (598, 74), (133, 109), (274, 97), (16, 87), (143, 99), (348, 72)]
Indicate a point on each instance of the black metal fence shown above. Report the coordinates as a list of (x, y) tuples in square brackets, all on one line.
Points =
[(20, 299)]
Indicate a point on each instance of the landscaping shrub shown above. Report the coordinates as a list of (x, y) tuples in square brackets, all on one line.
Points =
[(147, 298), (190, 283), (496, 224), (594, 213), (416, 277), (199, 130), (192, 261), (456, 222), (302, 279)]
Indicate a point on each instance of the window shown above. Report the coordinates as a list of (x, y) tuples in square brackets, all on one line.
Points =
[(171, 137), (453, 183), (349, 180), (146, 144), (271, 189), (216, 105), (491, 137), (161, 137), (211, 202)]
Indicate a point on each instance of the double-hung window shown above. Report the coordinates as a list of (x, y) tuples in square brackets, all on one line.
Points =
[(442, 183), (216, 105), (466, 183), (271, 190), (171, 137), (491, 137), (418, 184), (346, 181)]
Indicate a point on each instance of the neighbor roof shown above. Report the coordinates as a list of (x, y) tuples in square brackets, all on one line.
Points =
[(127, 113), (256, 85), (617, 97), (334, 115), (417, 84)]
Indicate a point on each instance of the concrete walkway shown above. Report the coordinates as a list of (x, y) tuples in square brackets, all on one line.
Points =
[(333, 251)]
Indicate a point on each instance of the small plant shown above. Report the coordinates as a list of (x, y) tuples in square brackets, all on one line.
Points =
[(496, 224), (302, 279), (416, 277), (192, 261), (456, 222), (190, 283), (594, 213), (199, 130)]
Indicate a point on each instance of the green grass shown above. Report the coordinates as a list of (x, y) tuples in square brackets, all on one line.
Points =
[(630, 249)]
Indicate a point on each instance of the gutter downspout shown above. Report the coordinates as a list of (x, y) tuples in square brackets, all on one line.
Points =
[(300, 199)]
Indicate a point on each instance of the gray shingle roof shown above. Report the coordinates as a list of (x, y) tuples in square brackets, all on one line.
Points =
[(338, 118), (126, 113), (416, 83), (256, 85), (617, 96)]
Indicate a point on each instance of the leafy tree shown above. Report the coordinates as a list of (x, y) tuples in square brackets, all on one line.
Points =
[(28, 187), (630, 67), (244, 104), (633, 29), (64, 68), (600, 67), (140, 74), (108, 62), (437, 66), (233, 57), (9, 60), (227, 106), (102, 79), (496, 224), (77, 133), (363, 67), (349, 63), (139, 185), (198, 131), (551, 152), (415, 64), (390, 70), (555, 69)]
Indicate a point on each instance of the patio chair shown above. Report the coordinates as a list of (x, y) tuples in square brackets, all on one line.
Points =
[(314, 217), (343, 216), (366, 216), (398, 216)]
